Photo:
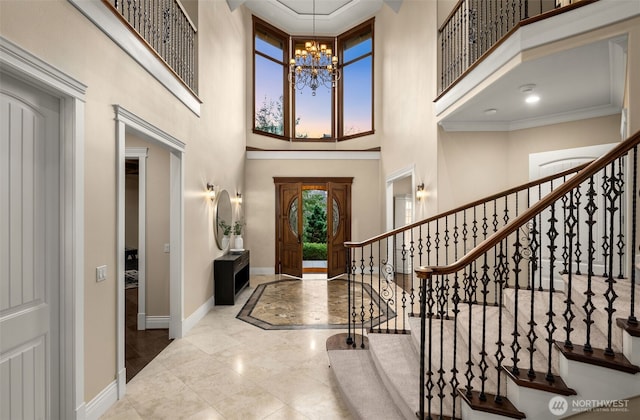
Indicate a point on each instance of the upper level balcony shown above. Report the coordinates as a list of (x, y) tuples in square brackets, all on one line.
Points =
[(493, 53)]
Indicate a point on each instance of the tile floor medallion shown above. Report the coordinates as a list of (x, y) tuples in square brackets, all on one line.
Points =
[(317, 304)]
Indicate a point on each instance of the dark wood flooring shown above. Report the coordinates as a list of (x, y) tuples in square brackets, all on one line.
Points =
[(140, 347)]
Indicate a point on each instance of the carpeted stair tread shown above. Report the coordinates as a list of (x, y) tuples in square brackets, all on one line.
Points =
[(541, 308), (398, 366), (361, 386), (621, 304), (491, 338)]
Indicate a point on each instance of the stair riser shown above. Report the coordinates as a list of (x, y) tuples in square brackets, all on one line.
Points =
[(598, 383)]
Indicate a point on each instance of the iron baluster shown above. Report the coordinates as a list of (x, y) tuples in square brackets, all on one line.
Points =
[(502, 275), (611, 295), (568, 314), (517, 259), (469, 373), (620, 192), (423, 339), (484, 366), (588, 306), (606, 191), (634, 226), (430, 382), (350, 283), (578, 243), (531, 335), (565, 245), (552, 234), (371, 311), (454, 370)]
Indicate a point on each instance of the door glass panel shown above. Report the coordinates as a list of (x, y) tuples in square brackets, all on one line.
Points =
[(336, 217), (293, 216)]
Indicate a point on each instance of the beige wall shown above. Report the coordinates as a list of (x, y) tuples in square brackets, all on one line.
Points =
[(260, 201), (405, 89), (59, 34)]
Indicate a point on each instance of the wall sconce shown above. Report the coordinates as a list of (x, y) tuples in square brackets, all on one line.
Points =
[(211, 191), (420, 192), (238, 198)]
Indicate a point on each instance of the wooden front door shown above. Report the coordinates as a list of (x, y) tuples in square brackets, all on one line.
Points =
[(289, 229), (338, 227), (289, 223)]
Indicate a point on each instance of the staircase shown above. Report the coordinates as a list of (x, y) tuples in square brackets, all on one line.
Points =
[(536, 321)]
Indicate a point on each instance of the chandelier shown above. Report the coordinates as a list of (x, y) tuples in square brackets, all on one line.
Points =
[(314, 66)]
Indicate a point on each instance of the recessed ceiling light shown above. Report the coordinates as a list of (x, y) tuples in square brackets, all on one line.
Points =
[(490, 111), (532, 99)]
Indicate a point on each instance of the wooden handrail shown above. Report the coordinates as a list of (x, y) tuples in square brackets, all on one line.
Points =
[(465, 207), (492, 240)]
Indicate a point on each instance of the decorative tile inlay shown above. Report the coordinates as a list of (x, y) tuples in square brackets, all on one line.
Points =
[(310, 304)]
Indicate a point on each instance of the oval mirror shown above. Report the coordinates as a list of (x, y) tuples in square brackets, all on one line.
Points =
[(222, 214)]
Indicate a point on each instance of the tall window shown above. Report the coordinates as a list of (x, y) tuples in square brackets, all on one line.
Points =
[(292, 114), (269, 80), (314, 114), (356, 99)]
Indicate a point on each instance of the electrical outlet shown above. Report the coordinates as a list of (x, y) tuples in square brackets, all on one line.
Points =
[(101, 273), (167, 249)]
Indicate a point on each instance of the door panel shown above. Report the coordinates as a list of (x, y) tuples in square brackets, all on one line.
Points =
[(29, 256), (338, 227), (289, 229)]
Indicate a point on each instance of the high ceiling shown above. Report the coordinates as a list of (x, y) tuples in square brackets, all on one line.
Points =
[(332, 17)]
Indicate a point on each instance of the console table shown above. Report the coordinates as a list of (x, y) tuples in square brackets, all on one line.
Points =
[(230, 276)]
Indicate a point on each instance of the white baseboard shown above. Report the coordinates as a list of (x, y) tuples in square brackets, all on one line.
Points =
[(197, 315), (262, 271), (102, 402), (157, 322)]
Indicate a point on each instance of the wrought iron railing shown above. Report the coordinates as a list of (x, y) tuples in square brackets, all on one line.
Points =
[(474, 27), (167, 30), (577, 229)]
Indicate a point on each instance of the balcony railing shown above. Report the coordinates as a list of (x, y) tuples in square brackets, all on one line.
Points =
[(474, 27), (167, 30)]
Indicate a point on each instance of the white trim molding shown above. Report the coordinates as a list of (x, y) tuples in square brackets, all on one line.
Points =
[(197, 315), (101, 403), (313, 155), (128, 122), (105, 20), (25, 66), (157, 322)]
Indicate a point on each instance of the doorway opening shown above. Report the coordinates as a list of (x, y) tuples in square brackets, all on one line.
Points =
[(314, 232), (308, 210)]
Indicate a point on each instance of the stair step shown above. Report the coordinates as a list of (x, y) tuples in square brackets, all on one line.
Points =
[(447, 362), (541, 309), (597, 357), (539, 381), (398, 366), (599, 287), (361, 386), (491, 338), (489, 405)]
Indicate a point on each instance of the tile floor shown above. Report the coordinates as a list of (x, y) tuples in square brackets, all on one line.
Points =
[(225, 368)]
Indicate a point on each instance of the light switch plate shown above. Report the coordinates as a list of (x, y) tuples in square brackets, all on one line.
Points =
[(101, 273)]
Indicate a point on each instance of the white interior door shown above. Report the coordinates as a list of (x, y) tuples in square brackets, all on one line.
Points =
[(549, 163), (29, 252)]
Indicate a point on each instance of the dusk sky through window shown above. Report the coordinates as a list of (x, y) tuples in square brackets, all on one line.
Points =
[(314, 112)]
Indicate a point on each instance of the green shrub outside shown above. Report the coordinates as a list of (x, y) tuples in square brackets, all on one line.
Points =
[(314, 252)]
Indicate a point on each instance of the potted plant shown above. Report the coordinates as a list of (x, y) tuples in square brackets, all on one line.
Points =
[(237, 231), (226, 231)]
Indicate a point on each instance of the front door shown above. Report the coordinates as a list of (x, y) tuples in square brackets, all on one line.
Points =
[(29, 252), (289, 223), (289, 229), (338, 227)]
